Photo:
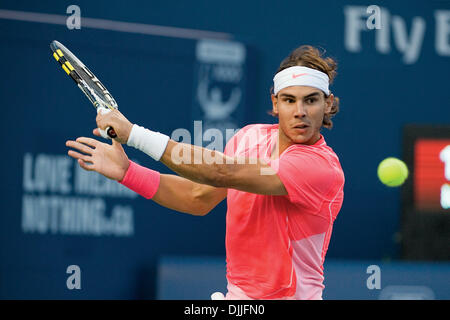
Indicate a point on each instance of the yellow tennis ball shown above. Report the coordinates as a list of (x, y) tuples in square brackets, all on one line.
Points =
[(392, 172)]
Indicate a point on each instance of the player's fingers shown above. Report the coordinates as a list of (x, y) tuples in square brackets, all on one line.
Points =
[(103, 117), (85, 166), (79, 156), (103, 124), (117, 113), (96, 132), (99, 119), (100, 133), (88, 141), (79, 146)]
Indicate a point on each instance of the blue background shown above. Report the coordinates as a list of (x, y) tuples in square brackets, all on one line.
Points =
[(41, 109)]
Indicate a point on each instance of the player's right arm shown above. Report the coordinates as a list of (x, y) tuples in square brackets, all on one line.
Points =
[(173, 192)]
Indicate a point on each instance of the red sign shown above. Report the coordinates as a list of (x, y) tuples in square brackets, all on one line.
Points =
[(432, 174)]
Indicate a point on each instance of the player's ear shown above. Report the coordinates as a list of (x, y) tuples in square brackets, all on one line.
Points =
[(329, 103), (274, 104)]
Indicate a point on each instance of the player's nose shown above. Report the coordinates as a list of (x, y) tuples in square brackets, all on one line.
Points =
[(300, 110)]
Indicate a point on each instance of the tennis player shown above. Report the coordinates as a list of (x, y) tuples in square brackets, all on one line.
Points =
[(283, 183)]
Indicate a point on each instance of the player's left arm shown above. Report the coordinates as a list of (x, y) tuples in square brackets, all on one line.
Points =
[(245, 174)]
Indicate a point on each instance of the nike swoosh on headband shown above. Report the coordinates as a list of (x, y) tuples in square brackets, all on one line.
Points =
[(298, 75)]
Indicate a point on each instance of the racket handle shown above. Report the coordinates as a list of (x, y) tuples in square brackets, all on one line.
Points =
[(109, 132)]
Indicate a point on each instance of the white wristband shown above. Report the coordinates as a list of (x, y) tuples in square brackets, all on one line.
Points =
[(152, 143)]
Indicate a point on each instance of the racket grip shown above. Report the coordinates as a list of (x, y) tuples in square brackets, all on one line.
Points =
[(109, 133)]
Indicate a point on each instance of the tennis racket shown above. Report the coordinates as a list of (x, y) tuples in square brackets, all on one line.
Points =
[(87, 82)]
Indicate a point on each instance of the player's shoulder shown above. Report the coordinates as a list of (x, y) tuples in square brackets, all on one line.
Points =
[(320, 170)]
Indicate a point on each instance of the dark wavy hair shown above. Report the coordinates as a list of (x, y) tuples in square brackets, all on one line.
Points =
[(312, 57)]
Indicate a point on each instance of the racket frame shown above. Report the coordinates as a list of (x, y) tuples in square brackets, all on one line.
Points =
[(67, 60)]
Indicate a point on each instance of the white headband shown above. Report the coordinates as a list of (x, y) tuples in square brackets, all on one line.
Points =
[(301, 76)]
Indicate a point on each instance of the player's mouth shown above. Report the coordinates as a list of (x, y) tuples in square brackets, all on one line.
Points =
[(302, 127)]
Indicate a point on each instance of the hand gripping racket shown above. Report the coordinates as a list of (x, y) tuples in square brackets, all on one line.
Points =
[(87, 82)]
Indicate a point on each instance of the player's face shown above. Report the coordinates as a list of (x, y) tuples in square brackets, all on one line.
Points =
[(300, 111)]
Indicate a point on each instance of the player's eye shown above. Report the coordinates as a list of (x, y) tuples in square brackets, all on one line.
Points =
[(311, 100), (289, 100)]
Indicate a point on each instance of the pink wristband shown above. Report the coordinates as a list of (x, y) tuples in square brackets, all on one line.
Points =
[(141, 180)]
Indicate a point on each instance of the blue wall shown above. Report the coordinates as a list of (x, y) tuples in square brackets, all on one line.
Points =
[(196, 278), (380, 92)]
